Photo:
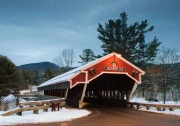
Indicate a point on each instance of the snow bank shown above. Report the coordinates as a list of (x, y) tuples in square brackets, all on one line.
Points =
[(44, 117), (8, 103)]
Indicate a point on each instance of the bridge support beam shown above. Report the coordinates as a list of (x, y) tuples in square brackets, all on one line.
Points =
[(134, 88), (82, 96), (66, 93)]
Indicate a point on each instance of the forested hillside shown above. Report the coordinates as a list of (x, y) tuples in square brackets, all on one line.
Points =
[(40, 67)]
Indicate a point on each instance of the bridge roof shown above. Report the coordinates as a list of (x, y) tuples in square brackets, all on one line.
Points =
[(82, 74)]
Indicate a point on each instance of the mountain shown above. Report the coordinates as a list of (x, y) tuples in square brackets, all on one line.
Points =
[(41, 67)]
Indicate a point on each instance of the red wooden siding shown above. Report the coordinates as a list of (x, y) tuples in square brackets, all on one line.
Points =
[(79, 78), (108, 63)]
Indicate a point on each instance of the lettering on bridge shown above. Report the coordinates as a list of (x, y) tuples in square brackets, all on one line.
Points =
[(115, 68)]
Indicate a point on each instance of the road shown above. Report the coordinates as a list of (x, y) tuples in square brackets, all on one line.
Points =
[(115, 116)]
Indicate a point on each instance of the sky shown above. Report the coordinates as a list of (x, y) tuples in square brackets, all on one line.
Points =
[(33, 31)]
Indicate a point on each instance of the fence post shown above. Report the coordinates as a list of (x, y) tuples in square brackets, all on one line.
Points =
[(138, 106), (147, 107), (158, 108), (19, 113), (35, 112), (171, 109)]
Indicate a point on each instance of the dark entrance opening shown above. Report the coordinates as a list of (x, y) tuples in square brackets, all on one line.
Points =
[(109, 89)]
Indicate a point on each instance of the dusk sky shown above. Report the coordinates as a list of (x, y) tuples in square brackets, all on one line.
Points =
[(34, 31)]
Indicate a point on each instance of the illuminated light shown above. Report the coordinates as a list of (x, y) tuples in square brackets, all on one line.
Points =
[(119, 55)]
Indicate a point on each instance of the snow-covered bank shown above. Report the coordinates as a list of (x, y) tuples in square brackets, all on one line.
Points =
[(166, 112), (44, 117), (142, 100), (154, 109)]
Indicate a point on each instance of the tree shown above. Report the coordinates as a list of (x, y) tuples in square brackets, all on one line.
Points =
[(164, 76), (129, 41), (65, 60), (150, 82), (170, 69), (87, 56), (10, 77), (35, 78), (27, 78), (48, 74)]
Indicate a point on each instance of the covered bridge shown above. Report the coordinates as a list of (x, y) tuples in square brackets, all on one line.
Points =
[(108, 80)]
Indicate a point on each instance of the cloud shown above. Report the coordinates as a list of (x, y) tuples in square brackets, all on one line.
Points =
[(44, 42), (28, 53)]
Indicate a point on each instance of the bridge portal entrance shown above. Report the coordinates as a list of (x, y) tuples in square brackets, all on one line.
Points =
[(109, 89)]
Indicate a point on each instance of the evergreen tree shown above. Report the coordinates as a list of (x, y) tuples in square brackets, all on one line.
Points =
[(10, 77), (27, 78), (48, 74), (129, 41), (35, 80), (87, 56)]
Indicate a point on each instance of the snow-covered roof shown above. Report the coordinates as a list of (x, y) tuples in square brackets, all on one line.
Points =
[(58, 79), (65, 77)]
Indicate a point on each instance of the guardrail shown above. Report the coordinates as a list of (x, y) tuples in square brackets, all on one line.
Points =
[(158, 106), (26, 95), (35, 106)]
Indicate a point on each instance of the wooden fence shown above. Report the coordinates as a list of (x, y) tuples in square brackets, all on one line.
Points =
[(35, 106), (159, 107)]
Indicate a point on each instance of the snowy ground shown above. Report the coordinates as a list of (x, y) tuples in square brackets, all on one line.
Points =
[(66, 114), (45, 117), (154, 109)]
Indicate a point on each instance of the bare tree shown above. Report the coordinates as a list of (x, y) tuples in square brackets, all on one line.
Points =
[(169, 69), (163, 76), (65, 60)]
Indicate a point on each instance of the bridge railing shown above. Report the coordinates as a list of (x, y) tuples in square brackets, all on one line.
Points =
[(26, 95), (36, 96), (39, 103), (148, 105)]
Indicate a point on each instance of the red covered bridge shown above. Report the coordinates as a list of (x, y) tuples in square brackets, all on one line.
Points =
[(107, 80)]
